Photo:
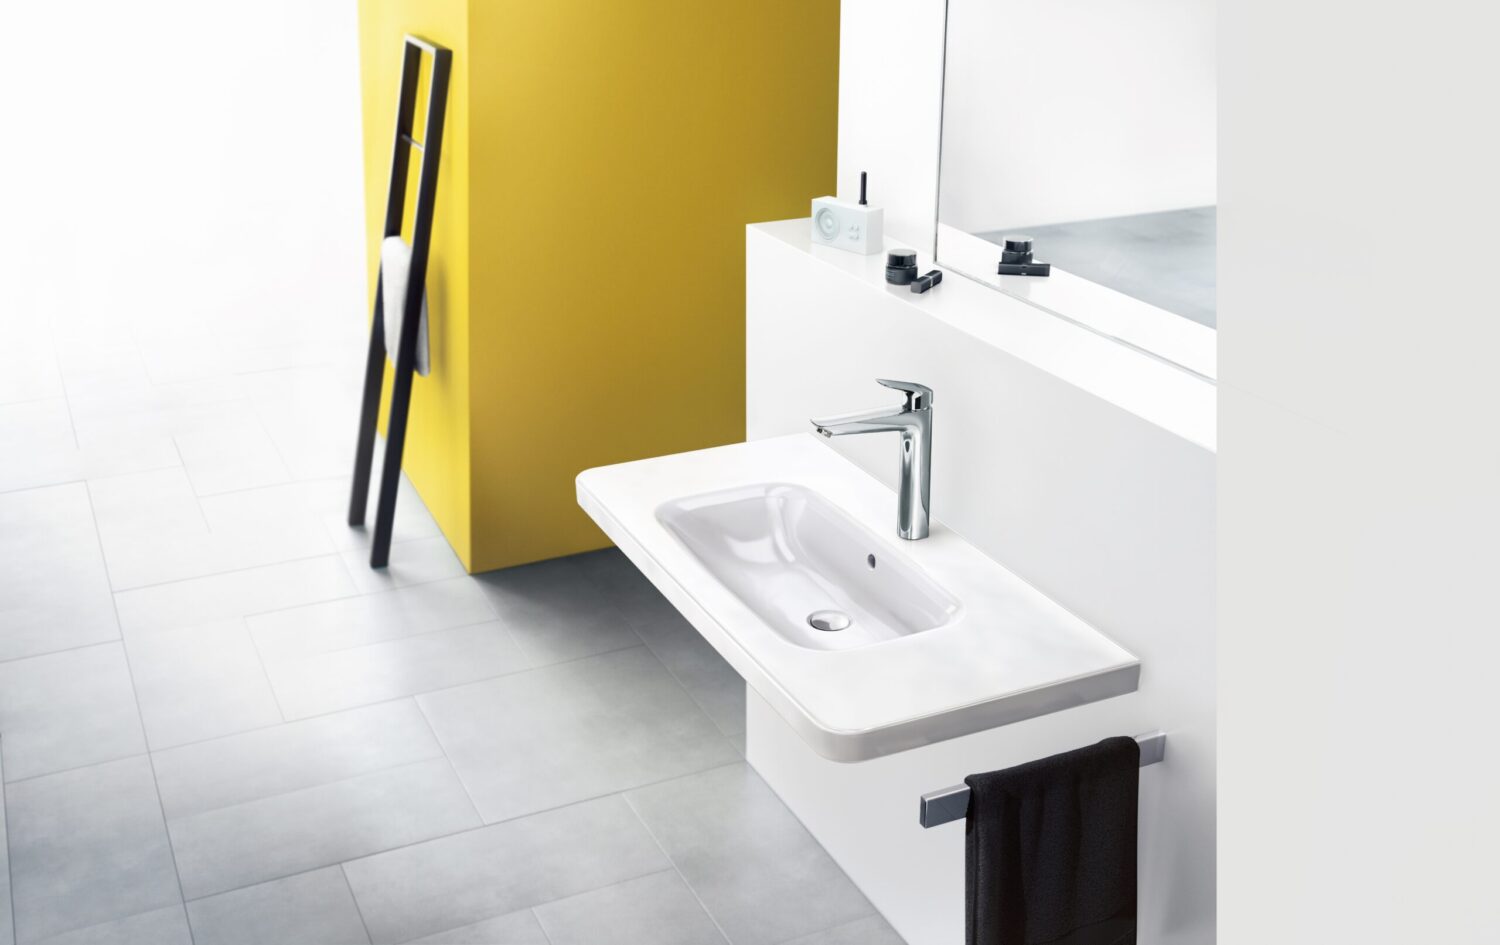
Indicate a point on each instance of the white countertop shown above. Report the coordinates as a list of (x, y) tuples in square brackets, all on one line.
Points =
[(1010, 654)]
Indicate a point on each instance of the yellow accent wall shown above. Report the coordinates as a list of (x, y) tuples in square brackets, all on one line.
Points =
[(605, 158)]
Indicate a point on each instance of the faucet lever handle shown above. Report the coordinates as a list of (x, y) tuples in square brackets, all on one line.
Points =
[(918, 396)]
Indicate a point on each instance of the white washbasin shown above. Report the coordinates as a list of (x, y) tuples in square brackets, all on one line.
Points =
[(746, 541), (812, 573)]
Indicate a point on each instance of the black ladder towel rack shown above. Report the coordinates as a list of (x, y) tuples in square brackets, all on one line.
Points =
[(430, 147)]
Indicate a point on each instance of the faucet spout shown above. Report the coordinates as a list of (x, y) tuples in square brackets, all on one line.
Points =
[(882, 420), (914, 422)]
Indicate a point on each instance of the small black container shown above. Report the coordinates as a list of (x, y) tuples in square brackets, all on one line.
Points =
[(1015, 259), (932, 278), (901, 266)]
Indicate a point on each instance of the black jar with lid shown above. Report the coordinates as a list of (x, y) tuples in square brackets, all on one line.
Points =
[(901, 266)]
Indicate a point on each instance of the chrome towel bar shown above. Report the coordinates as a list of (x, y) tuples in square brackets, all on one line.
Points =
[(950, 804)]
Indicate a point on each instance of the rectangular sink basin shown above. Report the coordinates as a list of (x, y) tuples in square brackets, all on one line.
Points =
[(750, 541), (808, 570)]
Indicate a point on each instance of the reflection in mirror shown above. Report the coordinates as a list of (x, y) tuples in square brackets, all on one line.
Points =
[(1088, 125)]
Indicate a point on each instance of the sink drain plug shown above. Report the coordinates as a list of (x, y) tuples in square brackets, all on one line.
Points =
[(828, 620)]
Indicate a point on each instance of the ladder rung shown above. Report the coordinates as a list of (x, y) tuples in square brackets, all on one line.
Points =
[(412, 141)]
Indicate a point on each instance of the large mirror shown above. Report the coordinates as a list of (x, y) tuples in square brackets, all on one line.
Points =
[(1089, 126)]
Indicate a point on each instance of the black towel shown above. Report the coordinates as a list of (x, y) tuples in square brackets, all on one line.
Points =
[(1051, 849)]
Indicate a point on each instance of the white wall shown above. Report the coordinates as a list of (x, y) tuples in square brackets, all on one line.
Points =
[(1361, 475), (1076, 110), (1105, 511)]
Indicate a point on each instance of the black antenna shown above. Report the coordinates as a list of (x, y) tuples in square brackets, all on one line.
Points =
[(862, 201)]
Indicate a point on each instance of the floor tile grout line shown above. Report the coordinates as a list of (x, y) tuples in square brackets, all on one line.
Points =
[(701, 903), (43, 485), (107, 922), (532, 909), (306, 718), (383, 769), (335, 552), (88, 494), (260, 660), (549, 810), (67, 649), (292, 482), (271, 685), (216, 493), (367, 705), (636, 629), (546, 936), (625, 796), (187, 915), (468, 624), (275, 610), (141, 720), (214, 574), (355, 899), (362, 550), (260, 421), (331, 362), (280, 879), (114, 475), (342, 597), (633, 879), (684, 686), (26, 401), (62, 380), (10, 884), (473, 805), (83, 767), (330, 863), (271, 564), (494, 617), (188, 475), (529, 669)]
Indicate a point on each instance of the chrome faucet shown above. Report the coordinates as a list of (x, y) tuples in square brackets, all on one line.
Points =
[(914, 422)]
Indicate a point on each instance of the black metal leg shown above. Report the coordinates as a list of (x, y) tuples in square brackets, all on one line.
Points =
[(395, 440), (369, 415)]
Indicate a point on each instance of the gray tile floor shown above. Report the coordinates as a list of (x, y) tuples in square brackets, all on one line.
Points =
[(547, 754), (1166, 259), (218, 725)]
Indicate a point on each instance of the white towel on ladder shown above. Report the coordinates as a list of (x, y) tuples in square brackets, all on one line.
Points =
[(395, 268)]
